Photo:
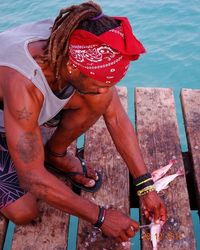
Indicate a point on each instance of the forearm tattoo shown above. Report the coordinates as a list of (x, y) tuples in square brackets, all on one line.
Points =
[(28, 147), (24, 114)]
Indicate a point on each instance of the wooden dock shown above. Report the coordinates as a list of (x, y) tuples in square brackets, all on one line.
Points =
[(157, 130)]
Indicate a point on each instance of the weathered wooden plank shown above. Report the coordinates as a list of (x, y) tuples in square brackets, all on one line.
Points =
[(100, 150), (50, 230), (3, 228), (159, 141), (190, 100)]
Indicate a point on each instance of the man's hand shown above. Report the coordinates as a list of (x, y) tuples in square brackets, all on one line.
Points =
[(153, 207), (119, 225)]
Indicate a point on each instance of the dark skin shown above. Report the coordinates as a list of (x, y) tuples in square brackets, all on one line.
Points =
[(81, 112)]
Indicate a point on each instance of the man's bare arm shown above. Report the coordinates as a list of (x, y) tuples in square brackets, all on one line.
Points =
[(26, 149), (125, 139), (124, 136)]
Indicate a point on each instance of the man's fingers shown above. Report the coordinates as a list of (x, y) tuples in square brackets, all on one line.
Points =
[(123, 237), (153, 208), (134, 225), (157, 214), (163, 213), (160, 213), (131, 231), (146, 213)]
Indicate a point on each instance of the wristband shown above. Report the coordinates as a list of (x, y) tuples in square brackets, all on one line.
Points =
[(54, 153), (142, 178), (101, 217), (145, 184)]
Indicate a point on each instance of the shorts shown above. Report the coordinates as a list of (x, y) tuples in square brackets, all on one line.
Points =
[(10, 189)]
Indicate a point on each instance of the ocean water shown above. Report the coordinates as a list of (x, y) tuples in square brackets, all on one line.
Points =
[(169, 30)]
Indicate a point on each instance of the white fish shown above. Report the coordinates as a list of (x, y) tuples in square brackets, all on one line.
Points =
[(155, 229), (163, 182), (157, 174), (160, 184)]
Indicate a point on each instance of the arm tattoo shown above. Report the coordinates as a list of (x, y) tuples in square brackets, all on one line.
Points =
[(28, 147), (24, 114)]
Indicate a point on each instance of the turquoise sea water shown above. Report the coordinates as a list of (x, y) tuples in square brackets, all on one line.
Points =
[(169, 30)]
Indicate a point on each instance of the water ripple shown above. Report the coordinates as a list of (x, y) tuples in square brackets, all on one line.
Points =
[(169, 29)]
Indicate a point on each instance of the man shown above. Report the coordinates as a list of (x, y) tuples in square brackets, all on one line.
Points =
[(71, 67)]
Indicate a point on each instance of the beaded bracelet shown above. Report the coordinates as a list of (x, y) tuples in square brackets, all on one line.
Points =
[(145, 190), (144, 193), (101, 217)]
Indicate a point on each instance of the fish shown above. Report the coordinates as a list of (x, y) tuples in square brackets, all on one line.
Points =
[(159, 173), (155, 229), (160, 183), (163, 182)]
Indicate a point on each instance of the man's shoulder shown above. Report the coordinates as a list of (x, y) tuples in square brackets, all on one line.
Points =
[(13, 77), (15, 83)]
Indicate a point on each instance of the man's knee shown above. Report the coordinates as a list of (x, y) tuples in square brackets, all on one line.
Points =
[(24, 217), (22, 211)]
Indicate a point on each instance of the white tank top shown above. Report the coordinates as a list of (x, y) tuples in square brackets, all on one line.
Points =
[(14, 54)]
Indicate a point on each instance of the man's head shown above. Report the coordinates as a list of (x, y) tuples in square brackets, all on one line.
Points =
[(99, 46)]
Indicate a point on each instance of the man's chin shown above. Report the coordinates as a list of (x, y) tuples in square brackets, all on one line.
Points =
[(87, 92)]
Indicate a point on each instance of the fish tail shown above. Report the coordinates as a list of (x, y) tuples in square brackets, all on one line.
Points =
[(172, 161)]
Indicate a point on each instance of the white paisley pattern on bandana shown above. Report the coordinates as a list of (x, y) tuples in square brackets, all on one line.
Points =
[(92, 54), (118, 31)]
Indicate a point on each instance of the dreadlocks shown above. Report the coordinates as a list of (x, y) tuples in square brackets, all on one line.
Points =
[(69, 19)]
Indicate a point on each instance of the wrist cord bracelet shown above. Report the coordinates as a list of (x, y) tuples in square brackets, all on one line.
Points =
[(142, 182), (101, 217), (141, 178), (54, 153), (146, 184)]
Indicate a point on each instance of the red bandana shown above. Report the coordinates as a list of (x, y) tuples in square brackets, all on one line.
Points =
[(105, 57)]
